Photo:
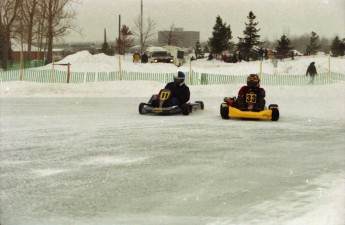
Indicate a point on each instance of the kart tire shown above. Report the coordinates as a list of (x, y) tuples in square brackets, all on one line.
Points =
[(141, 108), (224, 111), (185, 109), (201, 104), (271, 106), (275, 114)]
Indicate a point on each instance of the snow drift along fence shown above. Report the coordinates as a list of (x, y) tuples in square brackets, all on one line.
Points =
[(192, 78)]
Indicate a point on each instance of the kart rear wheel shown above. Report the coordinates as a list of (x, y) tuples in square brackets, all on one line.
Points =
[(185, 109), (141, 108), (224, 111), (201, 104), (271, 106), (275, 114)]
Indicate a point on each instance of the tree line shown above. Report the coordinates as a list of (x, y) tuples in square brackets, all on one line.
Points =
[(250, 46), (41, 22), (34, 22)]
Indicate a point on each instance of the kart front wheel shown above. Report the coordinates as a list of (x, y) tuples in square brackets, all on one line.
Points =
[(141, 108), (224, 111), (201, 104)]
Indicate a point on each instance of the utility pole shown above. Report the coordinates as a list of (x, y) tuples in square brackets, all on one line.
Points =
[(119, 44), (141, 28)]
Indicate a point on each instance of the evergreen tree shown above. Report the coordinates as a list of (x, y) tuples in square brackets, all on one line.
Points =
[(283, 47), (335, 47), (105, 46), (206, 49), (125, 42), (221, 37), (249, 44), (342, 47), (198, 51), (314, 44)]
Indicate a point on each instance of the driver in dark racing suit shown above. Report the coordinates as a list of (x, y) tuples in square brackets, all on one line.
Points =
[(179, 92), (250, 95)]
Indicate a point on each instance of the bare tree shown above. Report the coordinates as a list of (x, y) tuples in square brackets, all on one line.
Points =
[(144, 32), (8, 21), (170, 37), (59, 16), (29, 21)]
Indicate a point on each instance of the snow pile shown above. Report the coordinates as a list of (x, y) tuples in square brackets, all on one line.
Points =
[(85, 62), (297, 66)]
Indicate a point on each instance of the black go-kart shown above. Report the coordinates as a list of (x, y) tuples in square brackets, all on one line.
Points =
[(158, 104)]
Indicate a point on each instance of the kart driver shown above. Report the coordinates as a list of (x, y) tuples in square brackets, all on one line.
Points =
[(251, 95), (180, 93)]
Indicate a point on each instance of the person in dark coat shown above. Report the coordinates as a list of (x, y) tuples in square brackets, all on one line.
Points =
[(261, 54), (240, 57), (180, 93), (311, 71), (144, 58)]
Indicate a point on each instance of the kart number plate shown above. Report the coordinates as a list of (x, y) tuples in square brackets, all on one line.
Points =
[(250, 98), (164, 95)]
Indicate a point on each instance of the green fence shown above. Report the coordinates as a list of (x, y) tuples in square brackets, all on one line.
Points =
[(192, 78), (27, 64)]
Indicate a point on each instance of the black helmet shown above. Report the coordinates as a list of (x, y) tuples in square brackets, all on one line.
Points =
[(179, 78), (253, 80)]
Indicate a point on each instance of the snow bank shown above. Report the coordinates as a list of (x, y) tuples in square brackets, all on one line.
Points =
[(85, 62)]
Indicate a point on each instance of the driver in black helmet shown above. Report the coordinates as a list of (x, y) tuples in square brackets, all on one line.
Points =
[(252, 96), (180, 93)]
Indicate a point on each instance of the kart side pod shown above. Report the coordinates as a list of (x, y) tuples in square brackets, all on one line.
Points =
[(272, 113)]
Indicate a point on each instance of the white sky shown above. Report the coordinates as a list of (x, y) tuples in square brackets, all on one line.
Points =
[(275, 17)]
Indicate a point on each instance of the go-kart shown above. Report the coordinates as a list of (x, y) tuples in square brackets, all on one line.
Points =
[(228, 110), (159, 104)]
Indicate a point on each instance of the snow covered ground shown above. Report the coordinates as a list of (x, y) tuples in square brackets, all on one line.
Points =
[(81, 153)]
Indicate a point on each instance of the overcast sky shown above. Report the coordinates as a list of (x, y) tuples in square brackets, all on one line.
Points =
[(275, 17)]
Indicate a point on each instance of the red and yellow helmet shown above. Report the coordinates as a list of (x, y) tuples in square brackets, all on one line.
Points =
[(253, 80)]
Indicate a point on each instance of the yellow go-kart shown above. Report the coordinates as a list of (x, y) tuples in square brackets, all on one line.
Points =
[(231, 111)]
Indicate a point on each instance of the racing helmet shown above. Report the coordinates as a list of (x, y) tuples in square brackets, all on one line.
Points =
[(253, 80), (179, 78)]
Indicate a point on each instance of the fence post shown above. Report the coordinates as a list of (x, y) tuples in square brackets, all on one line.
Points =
[(68, 72), (260, 68), (190, 72), (329, 68), (120, 70), (204, 79), (21, 65)]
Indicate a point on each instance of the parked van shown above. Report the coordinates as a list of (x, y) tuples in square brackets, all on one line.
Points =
[(158, 54)]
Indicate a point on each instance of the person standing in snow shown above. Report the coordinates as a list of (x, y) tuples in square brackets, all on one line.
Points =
[(311, 71), (144, 58), (261, 54), (136, 56)]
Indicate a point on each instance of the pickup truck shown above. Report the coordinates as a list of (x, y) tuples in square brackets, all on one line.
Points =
[(159, 54)]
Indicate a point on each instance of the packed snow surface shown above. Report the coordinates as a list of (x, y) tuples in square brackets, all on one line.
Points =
[(82, 154)]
